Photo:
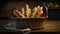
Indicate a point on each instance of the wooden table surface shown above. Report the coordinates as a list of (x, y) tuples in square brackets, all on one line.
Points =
[(49, 26)]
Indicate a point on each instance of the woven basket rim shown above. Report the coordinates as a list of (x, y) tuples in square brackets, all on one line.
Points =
[(29, 18)]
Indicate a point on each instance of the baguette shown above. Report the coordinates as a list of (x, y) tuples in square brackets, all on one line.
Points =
[(22, 9), (20, 14), (28, 11), (35, 11), (40, 11)]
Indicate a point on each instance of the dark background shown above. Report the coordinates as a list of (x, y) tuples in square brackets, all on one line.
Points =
[(6, 7)]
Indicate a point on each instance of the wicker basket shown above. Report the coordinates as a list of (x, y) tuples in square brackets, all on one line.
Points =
[(33, 23)]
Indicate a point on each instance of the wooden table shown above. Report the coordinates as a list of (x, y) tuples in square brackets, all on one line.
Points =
[(49, 26)]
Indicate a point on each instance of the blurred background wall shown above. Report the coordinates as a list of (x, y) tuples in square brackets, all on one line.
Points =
[(6, 7)]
